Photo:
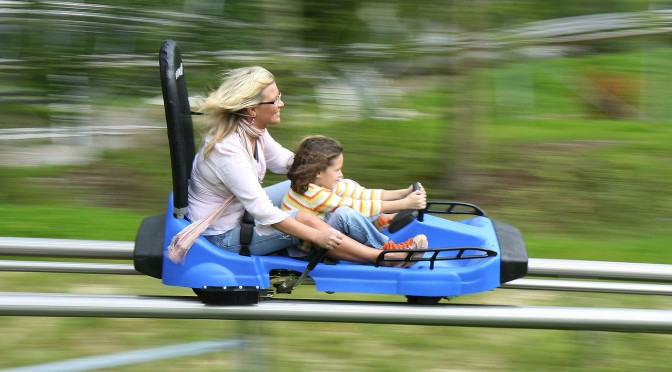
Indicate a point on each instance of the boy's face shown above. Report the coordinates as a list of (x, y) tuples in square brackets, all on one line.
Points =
[(328, 177)]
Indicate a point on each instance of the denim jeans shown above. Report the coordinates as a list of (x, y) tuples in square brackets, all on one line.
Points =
[(358, 227), (260, 245)]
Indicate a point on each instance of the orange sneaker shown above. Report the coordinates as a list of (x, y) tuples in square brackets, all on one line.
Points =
[(416, 242), (383, 221)]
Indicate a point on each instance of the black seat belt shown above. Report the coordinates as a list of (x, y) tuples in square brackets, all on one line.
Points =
[(246, 229), (247, 225)]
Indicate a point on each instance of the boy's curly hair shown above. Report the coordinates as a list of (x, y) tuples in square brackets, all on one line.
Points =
[(314, 154)]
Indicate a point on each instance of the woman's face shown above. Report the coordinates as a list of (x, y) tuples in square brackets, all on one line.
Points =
[(330, 176), (268, 112)]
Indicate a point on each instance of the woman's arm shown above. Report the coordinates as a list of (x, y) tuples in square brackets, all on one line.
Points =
[(325, 237), (239, 176)]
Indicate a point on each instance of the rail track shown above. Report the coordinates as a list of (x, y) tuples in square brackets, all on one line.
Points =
[(585, 276)]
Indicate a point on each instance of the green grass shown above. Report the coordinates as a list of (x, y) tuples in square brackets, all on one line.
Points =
[(70, 222)]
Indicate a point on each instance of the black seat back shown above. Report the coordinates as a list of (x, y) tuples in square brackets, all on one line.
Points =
[(178, 122)]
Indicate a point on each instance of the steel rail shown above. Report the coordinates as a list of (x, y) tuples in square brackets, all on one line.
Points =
[(14, 246), (67, 267), (537, 317), (589, 286), (600, 270), (126, 358)]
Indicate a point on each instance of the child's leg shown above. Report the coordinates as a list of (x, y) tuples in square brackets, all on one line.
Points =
[(351, 249), (383, 220), (357, 226)]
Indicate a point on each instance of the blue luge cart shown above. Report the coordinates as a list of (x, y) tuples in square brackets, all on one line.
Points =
[(470, 255)]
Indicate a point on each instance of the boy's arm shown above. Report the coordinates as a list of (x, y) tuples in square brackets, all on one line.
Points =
[(397, 194)]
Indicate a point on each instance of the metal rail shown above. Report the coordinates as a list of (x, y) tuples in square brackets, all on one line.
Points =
[(67, 267), (95, 249), (39, 247), (590, 286), (126, 358), (537, 317), (600, 270)]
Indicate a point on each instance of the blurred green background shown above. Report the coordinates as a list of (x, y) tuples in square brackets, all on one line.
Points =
[(551, 116)]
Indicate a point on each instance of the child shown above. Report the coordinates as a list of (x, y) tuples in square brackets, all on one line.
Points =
[(317, 185)]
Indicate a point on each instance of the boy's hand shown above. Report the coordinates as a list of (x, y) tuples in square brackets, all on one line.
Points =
[(409, 190), (416, 200)]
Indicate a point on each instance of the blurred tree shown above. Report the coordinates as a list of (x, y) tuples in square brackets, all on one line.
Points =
[(329, 26)]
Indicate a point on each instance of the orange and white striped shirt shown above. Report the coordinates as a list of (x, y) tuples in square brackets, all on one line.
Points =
[(347, 193)]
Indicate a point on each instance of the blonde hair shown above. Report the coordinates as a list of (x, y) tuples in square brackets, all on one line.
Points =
[(224, 108)]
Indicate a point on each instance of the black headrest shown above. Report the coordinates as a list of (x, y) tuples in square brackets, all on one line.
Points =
[(178, 122)]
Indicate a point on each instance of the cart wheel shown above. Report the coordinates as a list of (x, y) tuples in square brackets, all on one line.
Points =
[(423, 300), (228, 295)]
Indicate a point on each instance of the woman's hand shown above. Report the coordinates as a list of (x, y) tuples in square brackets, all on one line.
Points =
[(329, 238)]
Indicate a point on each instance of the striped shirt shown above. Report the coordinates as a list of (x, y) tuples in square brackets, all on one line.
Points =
[(347, 193)]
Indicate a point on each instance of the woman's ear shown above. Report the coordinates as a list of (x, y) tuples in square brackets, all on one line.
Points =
[(251, 111)]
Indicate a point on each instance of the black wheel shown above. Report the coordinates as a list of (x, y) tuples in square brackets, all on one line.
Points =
[(228, 295), (423, 300)]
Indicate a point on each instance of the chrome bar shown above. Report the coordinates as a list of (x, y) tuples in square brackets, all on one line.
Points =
[(67, 267), (134, 357), (537, 317), (590, 286), (12, 246), (600, 270)]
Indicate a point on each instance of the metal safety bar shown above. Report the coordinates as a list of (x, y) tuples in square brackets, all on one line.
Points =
[(529, 317), (40, 247), (67, 267)]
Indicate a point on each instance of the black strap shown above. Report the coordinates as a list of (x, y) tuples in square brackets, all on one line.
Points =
[(246, 230), (247, 224)]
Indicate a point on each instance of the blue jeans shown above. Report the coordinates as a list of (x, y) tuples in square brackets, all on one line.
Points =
[(260, 245), (358, 227)]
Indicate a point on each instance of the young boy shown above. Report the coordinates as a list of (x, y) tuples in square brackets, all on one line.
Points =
[(317, 185)]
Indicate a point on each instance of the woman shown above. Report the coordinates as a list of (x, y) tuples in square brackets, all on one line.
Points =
[(233, 161)]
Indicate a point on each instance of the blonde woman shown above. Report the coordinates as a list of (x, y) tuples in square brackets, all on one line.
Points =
[(237, 152)]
